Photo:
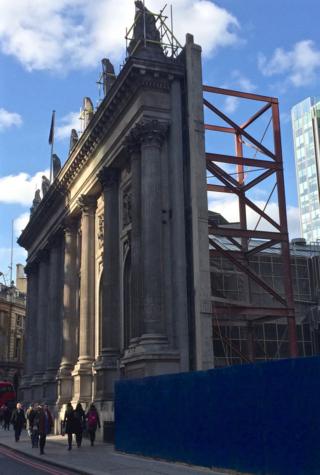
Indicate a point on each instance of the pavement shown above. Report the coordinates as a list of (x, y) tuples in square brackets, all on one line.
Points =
[(102, 459)]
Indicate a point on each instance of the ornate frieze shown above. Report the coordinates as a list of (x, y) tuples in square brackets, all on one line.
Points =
[(100, 235), (126, 209)]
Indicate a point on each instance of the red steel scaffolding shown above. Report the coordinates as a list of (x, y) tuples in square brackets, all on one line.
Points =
[(239, 236)]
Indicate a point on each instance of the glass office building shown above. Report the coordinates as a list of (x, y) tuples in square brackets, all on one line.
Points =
[(306, 127)]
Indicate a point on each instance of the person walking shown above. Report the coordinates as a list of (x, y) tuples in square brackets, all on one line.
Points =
[(18, 421), (6, 417), (93, 422), (33, 424), (79, 423), (45, 425), (69, 424)]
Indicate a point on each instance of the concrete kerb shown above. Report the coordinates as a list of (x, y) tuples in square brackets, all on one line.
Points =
[(45, 460)]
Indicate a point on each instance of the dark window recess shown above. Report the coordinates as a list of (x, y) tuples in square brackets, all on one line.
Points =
[(306, 332), (218, 349), (270, 330), (108, 432), (271, 349), (308, 349)]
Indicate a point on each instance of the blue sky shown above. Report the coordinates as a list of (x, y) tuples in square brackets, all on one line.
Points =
[(50, 53)]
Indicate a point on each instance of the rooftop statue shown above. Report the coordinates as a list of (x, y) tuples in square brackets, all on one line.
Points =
[(73, 139), (45, 185), (56, 165), (87, 111), (145, 30), (108, 75), (36, 201)]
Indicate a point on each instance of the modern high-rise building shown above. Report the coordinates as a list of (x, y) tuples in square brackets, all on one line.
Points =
[(306, 139)]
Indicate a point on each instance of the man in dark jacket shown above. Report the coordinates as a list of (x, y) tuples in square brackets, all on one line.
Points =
[(45, 425), (32, 425), (18, 421)]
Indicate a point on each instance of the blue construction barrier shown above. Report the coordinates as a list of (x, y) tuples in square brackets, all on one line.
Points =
[(261, 418)]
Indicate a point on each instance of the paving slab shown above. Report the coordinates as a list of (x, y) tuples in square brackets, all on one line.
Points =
[(102, 459)]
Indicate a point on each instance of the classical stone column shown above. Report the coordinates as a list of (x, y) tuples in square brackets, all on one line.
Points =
[(151, 353), (54, 321), (152, 134), (107, 364), (82, 374), (42, 320), (69, 351), (30, 331)]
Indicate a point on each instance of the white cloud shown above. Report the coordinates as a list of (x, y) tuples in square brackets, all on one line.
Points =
[(20, 223), (227, 206), (64, 34), (300, 63), (68, 122), (9, 119), (20, 188)]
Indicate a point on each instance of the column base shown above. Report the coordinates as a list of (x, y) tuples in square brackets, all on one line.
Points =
[(65, 385), (149, 355), (25, 390), (82, 382), (107, 372), (37, 387), (50, 388)]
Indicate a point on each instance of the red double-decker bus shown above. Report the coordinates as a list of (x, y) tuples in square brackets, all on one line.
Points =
[(7, 394)]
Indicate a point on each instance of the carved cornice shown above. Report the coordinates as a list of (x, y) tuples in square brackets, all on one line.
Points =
[(108, 176), (137, 74)]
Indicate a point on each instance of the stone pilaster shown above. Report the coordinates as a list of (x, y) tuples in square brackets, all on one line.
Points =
[(30, 331), (107, 364), (54, 321), (69, 350), (134, 152), (42, 320), (82, 374)]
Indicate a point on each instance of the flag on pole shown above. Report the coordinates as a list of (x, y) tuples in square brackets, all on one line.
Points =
[(51, 134)]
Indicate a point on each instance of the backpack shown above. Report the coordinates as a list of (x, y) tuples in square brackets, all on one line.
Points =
[(92, 419)]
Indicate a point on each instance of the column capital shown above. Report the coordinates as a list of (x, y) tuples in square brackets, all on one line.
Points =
[(43, 255), (87, 203), (108, 176), (31, 268), (131, 143), (150, 132), (70, 225)]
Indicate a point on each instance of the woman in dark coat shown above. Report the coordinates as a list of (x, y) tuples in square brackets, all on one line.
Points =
[(93, 421), (79, 423), (69, 424), (18, 421)]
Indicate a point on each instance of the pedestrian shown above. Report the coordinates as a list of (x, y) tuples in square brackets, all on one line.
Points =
[(6, 417), (45, 425), (69, 424), (33, 424), (79, 423), (1, 416), (93, 422), (18, 421)]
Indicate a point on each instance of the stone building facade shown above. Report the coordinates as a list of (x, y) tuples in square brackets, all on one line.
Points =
[(12, 325), (118, 259)]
